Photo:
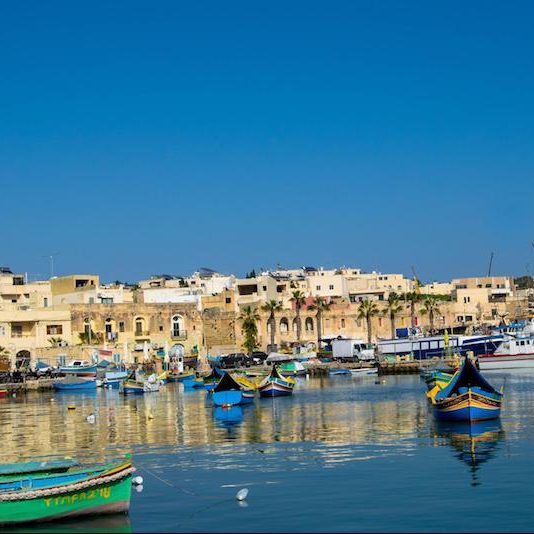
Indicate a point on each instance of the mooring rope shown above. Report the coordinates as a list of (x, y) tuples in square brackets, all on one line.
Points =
[(68, 488)]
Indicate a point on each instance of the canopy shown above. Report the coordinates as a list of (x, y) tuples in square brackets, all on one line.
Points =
[(41, 365), (226, 383), (103, 363), (468, 376), (278, 357)]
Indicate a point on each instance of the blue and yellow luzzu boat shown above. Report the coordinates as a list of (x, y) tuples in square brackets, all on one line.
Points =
[(467, 397), (230, 392), (276, 385)]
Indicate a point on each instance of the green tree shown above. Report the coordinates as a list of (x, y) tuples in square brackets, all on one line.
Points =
[(249, 318), (251, 274), (320, 306), (430, 307), (393, 307), (272, 306), (367, 310), (96, 338), (299, 299), (413, 298), (55, 341)]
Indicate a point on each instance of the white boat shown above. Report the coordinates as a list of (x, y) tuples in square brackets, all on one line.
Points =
[(512, 353), (364, 371)]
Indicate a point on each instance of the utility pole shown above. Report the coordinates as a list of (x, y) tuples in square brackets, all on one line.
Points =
[(51, 258)]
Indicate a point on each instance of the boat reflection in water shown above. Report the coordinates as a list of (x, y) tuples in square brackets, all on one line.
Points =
[(105, 523), (475, 442), (228, 417)]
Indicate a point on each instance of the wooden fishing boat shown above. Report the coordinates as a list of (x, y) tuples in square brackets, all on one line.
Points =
[(229, 392), (276, 385), (468, 396), (293, 368), (211, 380), (74, 383), (181, 377), (106, 491), (46, 466), (79, 368), (19, 481)]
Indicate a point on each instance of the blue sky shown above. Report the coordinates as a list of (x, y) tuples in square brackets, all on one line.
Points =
[(158, 137)]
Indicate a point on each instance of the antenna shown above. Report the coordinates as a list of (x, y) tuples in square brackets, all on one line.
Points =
[(490, 262), (51, 257)]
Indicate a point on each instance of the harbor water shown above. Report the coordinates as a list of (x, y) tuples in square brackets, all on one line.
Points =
[(343, 454)]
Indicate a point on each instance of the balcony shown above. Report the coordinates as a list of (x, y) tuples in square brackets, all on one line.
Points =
[(141, 333), (178, 334)]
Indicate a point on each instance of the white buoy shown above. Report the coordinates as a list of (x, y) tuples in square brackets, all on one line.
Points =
[(242, 494), (91, 418), (137, 481), (139, 488)]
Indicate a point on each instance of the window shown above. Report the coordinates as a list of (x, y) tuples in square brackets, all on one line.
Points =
[(284, 326), (331, 286), (264, 288), (318, 288), (2, 330), (106, 300), (45, 302), (177, 326), (467, 299), (54, 329), (18, 281), (16, 330), (468, 318), (228, 300), (342, 323), (121, 326), (91, 300), (308, 324)]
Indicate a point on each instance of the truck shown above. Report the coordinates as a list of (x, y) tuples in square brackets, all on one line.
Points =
[(352, 349)]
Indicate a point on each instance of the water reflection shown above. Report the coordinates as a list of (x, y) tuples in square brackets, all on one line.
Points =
[(474, 443), (106, 523)]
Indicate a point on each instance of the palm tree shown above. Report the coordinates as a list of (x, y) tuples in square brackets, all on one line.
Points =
[(272, 306), (320, 305), (413, 298), (431, 307), (298, 298), (393, 307), (55, 341), (249, 317), (367, 310)]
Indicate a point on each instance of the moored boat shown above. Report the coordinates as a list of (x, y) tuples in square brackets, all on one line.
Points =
[(276, 385), (512, 353), (101, 491), (79, 368), (293, 368), (229, 392), (468, 396), (46, 466), (74, 383)]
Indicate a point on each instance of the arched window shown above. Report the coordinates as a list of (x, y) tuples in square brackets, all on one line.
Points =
[(87, 326), (295, 326), (177, 326), (309, 324), (284, 326)]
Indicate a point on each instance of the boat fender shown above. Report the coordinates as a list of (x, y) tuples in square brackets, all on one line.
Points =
[(137, 481), (139, 488), (242, 494)]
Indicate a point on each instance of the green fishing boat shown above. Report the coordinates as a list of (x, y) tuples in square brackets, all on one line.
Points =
[(45, 467), (107, 492)]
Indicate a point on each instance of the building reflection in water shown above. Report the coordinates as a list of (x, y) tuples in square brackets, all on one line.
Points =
[(42, 425), (474, 443)]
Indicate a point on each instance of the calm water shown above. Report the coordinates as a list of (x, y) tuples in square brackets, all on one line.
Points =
[(343, 454)]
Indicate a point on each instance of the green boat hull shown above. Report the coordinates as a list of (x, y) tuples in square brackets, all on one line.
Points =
[(112, 497)]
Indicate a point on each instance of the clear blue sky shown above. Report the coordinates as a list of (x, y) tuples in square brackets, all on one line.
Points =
[(158, 137)]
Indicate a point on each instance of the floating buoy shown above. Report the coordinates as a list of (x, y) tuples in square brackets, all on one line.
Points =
[(137, 481), (242, 494), (71, 407), (91, 418), (139, 488)]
